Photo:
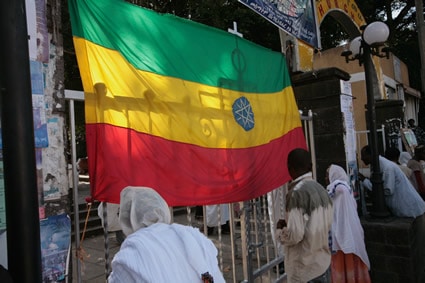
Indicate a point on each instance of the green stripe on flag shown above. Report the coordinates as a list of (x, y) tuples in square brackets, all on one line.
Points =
[(176, 47)]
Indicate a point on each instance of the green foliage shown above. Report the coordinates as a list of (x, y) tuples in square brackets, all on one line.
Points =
[(332, 33), (400, 16), (220, 14)]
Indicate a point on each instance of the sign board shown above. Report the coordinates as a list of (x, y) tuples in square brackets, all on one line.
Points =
[(296, 17)]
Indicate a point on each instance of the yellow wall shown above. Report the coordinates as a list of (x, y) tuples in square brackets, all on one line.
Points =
[(333, 58)]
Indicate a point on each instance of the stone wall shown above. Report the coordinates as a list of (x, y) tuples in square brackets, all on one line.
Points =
[(320, 92), (396, 249)]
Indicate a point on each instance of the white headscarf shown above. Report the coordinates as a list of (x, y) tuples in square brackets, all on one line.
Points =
[(160, 252), (337, 173), (347, 231), (141, 207), (404, 157)]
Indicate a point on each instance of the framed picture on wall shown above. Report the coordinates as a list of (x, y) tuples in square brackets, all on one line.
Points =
[(409, 140)]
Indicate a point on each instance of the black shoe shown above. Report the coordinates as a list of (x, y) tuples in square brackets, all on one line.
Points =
[(120, 237), (281, 268), (210, 230), (199, 213), (225, 228)]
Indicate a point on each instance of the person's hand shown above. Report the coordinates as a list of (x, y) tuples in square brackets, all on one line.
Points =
[(281, 223)]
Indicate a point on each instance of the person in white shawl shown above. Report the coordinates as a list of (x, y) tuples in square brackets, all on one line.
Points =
[(350, 262), (157, 251)]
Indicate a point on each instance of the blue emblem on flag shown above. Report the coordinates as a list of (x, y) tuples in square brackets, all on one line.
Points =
[(242, 111)]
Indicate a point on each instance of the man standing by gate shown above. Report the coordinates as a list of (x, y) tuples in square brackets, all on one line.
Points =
[(305, 232)]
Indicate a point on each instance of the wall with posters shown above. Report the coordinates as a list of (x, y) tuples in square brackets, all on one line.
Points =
[(47, 76)]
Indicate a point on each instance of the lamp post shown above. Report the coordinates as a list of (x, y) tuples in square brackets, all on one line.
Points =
[(362, 48)]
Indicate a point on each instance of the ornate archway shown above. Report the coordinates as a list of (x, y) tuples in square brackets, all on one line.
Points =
[(346, 12)]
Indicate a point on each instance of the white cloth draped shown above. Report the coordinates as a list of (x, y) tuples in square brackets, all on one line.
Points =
[(112, 212), (347, 231), (165, 253), (213, 211), (155, 250)]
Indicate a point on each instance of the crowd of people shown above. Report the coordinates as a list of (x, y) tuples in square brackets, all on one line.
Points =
[(401, 197), (321, 235)]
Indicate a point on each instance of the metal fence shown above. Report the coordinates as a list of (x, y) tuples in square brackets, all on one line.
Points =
[(250, 253)]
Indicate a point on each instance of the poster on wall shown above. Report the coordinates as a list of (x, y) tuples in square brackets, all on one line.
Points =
[(346, 100), (40, 183), (55, 238), (409, 140), (3, 239), (38, 105), (38, 40), (31, 28), (296, 17), (2, 199), (51, 188)]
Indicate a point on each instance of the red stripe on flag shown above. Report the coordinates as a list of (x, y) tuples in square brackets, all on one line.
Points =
[(184, 174)]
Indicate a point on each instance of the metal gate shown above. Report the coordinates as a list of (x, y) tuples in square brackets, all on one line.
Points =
[(249, 253)]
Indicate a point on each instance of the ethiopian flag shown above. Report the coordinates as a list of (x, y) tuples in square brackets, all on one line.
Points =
[(198, 114)]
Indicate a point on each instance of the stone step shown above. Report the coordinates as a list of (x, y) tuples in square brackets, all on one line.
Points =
[(94, 224)]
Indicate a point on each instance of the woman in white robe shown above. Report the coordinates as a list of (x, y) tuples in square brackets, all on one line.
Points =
[(350, 262), (157, 251)]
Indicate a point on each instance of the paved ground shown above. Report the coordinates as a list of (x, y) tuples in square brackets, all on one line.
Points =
[(93, 268), (93, 259)]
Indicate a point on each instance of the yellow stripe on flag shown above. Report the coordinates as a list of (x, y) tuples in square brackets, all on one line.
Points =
[(118, 94)]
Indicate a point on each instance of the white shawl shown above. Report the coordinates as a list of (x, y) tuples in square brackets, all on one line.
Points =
[(156, 251), (165, 253), (347, 231)]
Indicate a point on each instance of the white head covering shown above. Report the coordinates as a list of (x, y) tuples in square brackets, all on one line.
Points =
[(141, 207), (347, 231), (337, 173), (404, 157)]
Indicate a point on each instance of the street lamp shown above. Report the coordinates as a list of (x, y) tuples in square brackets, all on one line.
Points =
[(371, 42)]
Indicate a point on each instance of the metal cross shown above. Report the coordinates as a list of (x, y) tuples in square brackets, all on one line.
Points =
[(235, 30)]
